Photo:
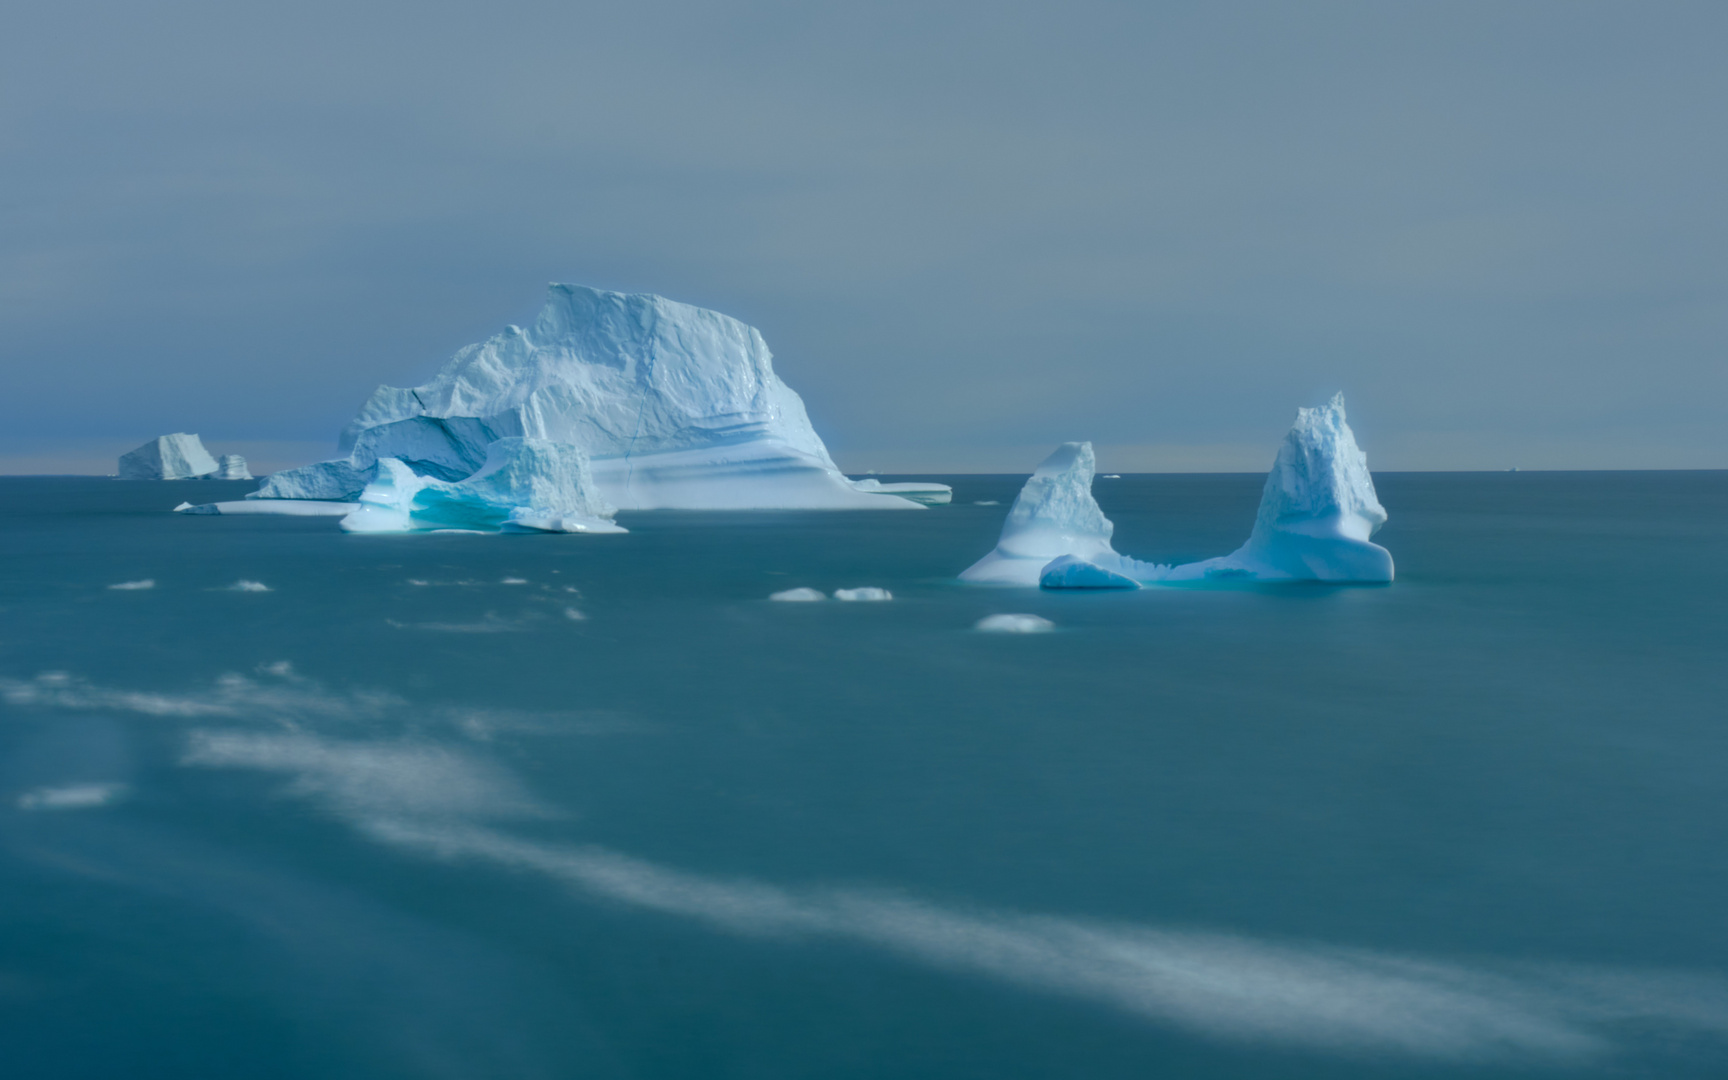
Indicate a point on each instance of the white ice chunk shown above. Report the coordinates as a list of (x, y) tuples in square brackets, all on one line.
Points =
[(248, 586), (867, 592), (525, 485), (1014, 624), (676, 407), (799, 595), (232, 467), (168, 457), (1054, 515), (147, 583), (1071, 572), (1317, 512)]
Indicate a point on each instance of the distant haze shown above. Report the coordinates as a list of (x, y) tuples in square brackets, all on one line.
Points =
[(967, 231)]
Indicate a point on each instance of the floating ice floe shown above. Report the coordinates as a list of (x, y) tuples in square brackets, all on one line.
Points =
[(128, 586), (524, 486), (867, 592), (675, 406), (249, 586), (799, 595), (1317, 512), (1014, 624)]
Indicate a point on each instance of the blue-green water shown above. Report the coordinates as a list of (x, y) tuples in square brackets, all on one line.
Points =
[(1470, 824)]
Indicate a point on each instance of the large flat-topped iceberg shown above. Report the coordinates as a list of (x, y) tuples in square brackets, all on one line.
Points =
[(675, 407), (1317, 512)]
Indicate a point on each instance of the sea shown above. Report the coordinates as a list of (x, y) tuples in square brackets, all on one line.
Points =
[(277, 801)]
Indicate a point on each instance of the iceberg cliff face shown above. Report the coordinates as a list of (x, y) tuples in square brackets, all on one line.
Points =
[(1054, 515), (525, 485), (168, 457), (674, 406)]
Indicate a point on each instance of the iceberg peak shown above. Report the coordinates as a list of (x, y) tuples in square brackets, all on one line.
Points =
[(1054, 515)]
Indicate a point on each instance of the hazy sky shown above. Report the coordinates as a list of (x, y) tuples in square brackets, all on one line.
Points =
[(967, 231)]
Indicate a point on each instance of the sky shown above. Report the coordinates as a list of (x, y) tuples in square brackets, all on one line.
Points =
[(968, 231)]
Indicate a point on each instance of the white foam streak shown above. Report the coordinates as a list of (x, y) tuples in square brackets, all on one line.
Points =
[(1220, 985), (361, 778), (231, 696)]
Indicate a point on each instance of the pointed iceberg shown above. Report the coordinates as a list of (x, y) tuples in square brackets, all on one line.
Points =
[(168, 457), (1054, 515), (525, 485), (1317, 511), (673, 405)]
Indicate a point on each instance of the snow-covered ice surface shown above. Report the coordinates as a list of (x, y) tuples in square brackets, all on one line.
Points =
[(799, 595), (1054, 515), (676, 407), (1317, 512), (525, 485), (169, 457)]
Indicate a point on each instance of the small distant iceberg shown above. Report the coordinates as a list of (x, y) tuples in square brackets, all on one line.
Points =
[(863, 593), (231, 467), (179, 457), (524, 486), (1317, 512), (799, 595)]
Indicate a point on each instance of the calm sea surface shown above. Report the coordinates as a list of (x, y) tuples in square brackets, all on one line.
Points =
[(470, 806)]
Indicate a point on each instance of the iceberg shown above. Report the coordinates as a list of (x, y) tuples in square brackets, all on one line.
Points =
[(168, 457), (231, 467), (1317, 512), (1054, 515), (863, 593), (525, 486), (675, 406)]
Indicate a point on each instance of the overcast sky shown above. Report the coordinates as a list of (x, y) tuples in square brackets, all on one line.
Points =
[(967, 231)]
